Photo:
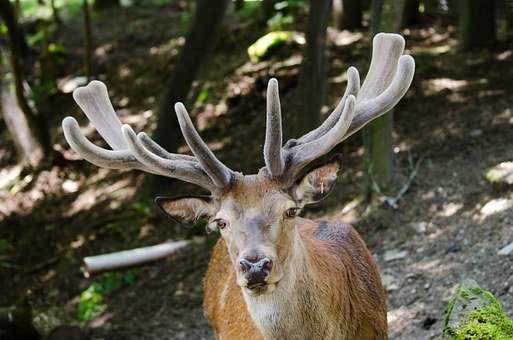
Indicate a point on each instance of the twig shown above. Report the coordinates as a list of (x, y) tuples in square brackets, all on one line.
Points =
[(393, 200)]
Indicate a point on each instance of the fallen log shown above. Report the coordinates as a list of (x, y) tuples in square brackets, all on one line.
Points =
[(131, 258)]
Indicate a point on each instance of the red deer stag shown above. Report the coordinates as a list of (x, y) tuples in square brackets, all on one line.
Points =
[(273, 274)]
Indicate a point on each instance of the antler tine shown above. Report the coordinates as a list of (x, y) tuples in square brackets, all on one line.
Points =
[(111, 159), (129, 151), (94, 100), (370, 109), (389, 77), (152, 146), (273, 132), (352, 88), (220, 174), (303, 154), (184, 170)]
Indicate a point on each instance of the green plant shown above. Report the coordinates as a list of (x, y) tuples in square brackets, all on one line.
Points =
[(91, 301), (42, 90), (142, 208), (279, 21), (5, 245), (203, 96)]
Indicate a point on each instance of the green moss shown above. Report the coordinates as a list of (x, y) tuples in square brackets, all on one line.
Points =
[(260, 48), (488, 323), (475, 314)]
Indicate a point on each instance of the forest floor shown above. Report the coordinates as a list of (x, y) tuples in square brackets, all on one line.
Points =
[(457, 120)]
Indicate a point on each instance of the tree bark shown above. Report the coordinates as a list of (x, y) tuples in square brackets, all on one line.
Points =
[(267, 9), (350, 17), (338, 12), (88, 58), (27, 147), (17, 8), (239, 4), (55, 13), (377, 135), (312, 79), (476, 23), (411, 13), (37, 124), (194, 55), (105, 4)]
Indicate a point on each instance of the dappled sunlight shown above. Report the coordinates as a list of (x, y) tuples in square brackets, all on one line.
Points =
[(121, 190), (169, 48), (504, 55), (7, 176), (343, 38), (103, 50), (505, 116), (495, 206), (438, 84), (78, 242), (435, 50), (401, 317), (450, 209)]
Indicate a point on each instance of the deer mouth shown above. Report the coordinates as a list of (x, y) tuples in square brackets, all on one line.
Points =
[(257, 285), (257, 288), (260, 288)]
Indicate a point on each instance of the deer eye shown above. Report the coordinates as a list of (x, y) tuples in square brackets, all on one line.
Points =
[(220, 223), (291, 212)]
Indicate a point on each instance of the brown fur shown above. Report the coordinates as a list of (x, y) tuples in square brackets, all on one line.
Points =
[(346, 277)]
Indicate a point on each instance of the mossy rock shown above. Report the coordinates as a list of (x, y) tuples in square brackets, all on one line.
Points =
[(475, 314), (264, 45), (500, 175)]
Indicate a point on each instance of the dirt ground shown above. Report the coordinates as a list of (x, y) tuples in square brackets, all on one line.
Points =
[(456, 120)]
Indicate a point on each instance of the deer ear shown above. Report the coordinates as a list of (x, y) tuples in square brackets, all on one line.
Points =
[(317, 184), (187, 209)]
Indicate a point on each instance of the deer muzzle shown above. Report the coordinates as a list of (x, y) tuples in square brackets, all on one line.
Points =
[(256, 271)]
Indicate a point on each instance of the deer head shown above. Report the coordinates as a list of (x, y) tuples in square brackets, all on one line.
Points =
[(255, 214)]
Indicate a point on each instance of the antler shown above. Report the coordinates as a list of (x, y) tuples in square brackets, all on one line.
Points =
[(131, 151), (389, 77)]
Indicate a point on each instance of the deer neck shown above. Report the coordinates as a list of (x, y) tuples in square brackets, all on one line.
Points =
[(292, 310)]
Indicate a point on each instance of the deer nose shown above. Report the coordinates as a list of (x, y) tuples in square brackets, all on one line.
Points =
[(253, 263), (256, 270)]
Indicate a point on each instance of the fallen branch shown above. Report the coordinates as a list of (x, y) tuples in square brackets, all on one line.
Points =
[(393, 200), (130, 258)]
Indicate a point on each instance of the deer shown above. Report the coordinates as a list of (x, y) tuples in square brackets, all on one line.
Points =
[(272, 274)]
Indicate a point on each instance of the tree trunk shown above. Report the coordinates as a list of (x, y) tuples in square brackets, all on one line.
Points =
[(17, 8), (55, 13), (239, 4), (338, 12), (476, 23), (431, 8), (377, 135), (350, 17), (267, 9), (88, 58), (312, 79), (194, 55), (28, 148), (37, 124), (105, 4), (411, 13)]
